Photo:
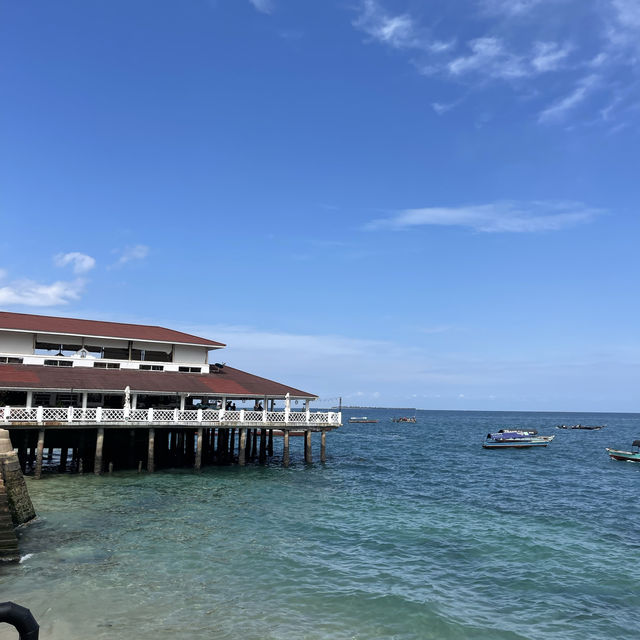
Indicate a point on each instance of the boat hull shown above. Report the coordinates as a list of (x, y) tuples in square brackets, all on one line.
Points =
[(625, 456), (514, 444)]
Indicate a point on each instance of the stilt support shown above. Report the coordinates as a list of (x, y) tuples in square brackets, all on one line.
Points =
[(242, 447), (198, 463), (307, 447), (285, 449), (151, 450), (323, 447), (97, 467), (40, 453)]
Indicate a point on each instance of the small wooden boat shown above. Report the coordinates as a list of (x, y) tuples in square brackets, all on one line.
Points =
[(410, 420), (515, 439), (626, 456), (362, 419), (581, 426)]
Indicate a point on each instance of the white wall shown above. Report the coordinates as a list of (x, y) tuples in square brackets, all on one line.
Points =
[(15, 342), (184, 354)]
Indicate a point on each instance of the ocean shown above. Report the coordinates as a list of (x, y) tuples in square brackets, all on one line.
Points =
[(409, 531)]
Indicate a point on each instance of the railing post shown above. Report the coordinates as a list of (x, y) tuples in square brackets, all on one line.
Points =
[(199, 415), (39, 414), (308, 416), (287, 411), (264, 415), (242, 415), (6, 413), (150, 414), (99, 414), (175, 415), (127, 413), (69, 414)]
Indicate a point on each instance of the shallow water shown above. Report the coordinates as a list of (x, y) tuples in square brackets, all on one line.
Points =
[(408, 531)]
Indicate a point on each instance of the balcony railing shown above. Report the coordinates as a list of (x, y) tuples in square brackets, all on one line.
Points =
[(166, 417)]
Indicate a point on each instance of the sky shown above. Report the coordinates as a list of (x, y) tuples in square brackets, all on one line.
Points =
[(407, 203)]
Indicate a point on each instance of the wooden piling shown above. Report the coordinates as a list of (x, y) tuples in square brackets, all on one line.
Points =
[(242, 447), (285, 449), (307, 447), (150, 450), (111, 467), (232, 445), (97, 465), (323, 447), (40, 453), (254, 444), (270, 443), (198, 463), (263, 445), (64, 451)]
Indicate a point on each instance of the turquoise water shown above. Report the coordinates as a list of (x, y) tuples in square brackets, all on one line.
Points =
[(410, 531)]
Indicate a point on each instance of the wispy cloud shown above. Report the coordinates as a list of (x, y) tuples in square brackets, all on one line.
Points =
[(264, 6), (82, 263), (135, 252), (559, 109), (503, 45), (501, 217), (35, 294)]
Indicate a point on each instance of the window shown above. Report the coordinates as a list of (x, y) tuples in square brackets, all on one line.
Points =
[(58, 363), (152, 356), (151, 367), (106, 365), (190, 369), (8, 360)]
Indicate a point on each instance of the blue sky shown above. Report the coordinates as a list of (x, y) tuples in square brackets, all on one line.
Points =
[(409, 203)]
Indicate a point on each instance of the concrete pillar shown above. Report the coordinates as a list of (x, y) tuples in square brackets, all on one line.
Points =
[(64, 450), (242, 447), (285, 449), (97, 467), (85, 398), (134, 401), (150, 451), (307, 447), (40, 453), (232, 444), (263, 445), (182, 401), (323, 447), (198, 463), (29, 399)]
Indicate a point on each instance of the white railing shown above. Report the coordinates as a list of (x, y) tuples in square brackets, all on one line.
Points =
[(150, 417)]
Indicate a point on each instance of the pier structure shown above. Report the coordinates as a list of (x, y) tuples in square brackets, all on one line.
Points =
[(91, 396)]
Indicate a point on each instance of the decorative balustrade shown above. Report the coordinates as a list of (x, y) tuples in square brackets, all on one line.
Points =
[(151, 417)]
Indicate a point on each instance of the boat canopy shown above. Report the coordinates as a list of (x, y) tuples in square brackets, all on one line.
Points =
[(635, 443)]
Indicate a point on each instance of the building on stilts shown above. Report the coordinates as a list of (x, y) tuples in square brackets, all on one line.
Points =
[(93, 396)]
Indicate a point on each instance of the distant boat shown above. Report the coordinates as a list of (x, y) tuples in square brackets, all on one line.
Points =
[(581, 426), (362, 419), (411, 419), (627, 456), (515, 439)]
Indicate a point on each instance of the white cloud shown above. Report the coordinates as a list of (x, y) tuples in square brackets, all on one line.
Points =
[(512, 7), (396, 31), (35, 294), (264, 6), (501, 217), (489, 57), (559, 109), (81, 262), (548, 56), (136, 252)]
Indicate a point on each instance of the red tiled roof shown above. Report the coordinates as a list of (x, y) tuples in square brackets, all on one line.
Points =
[(98, 328), (229, 381)]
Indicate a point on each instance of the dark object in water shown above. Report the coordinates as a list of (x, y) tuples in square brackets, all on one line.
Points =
[(20, 618), (581, 426)]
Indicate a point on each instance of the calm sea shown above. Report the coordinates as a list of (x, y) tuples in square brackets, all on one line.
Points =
[(410, 531)]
